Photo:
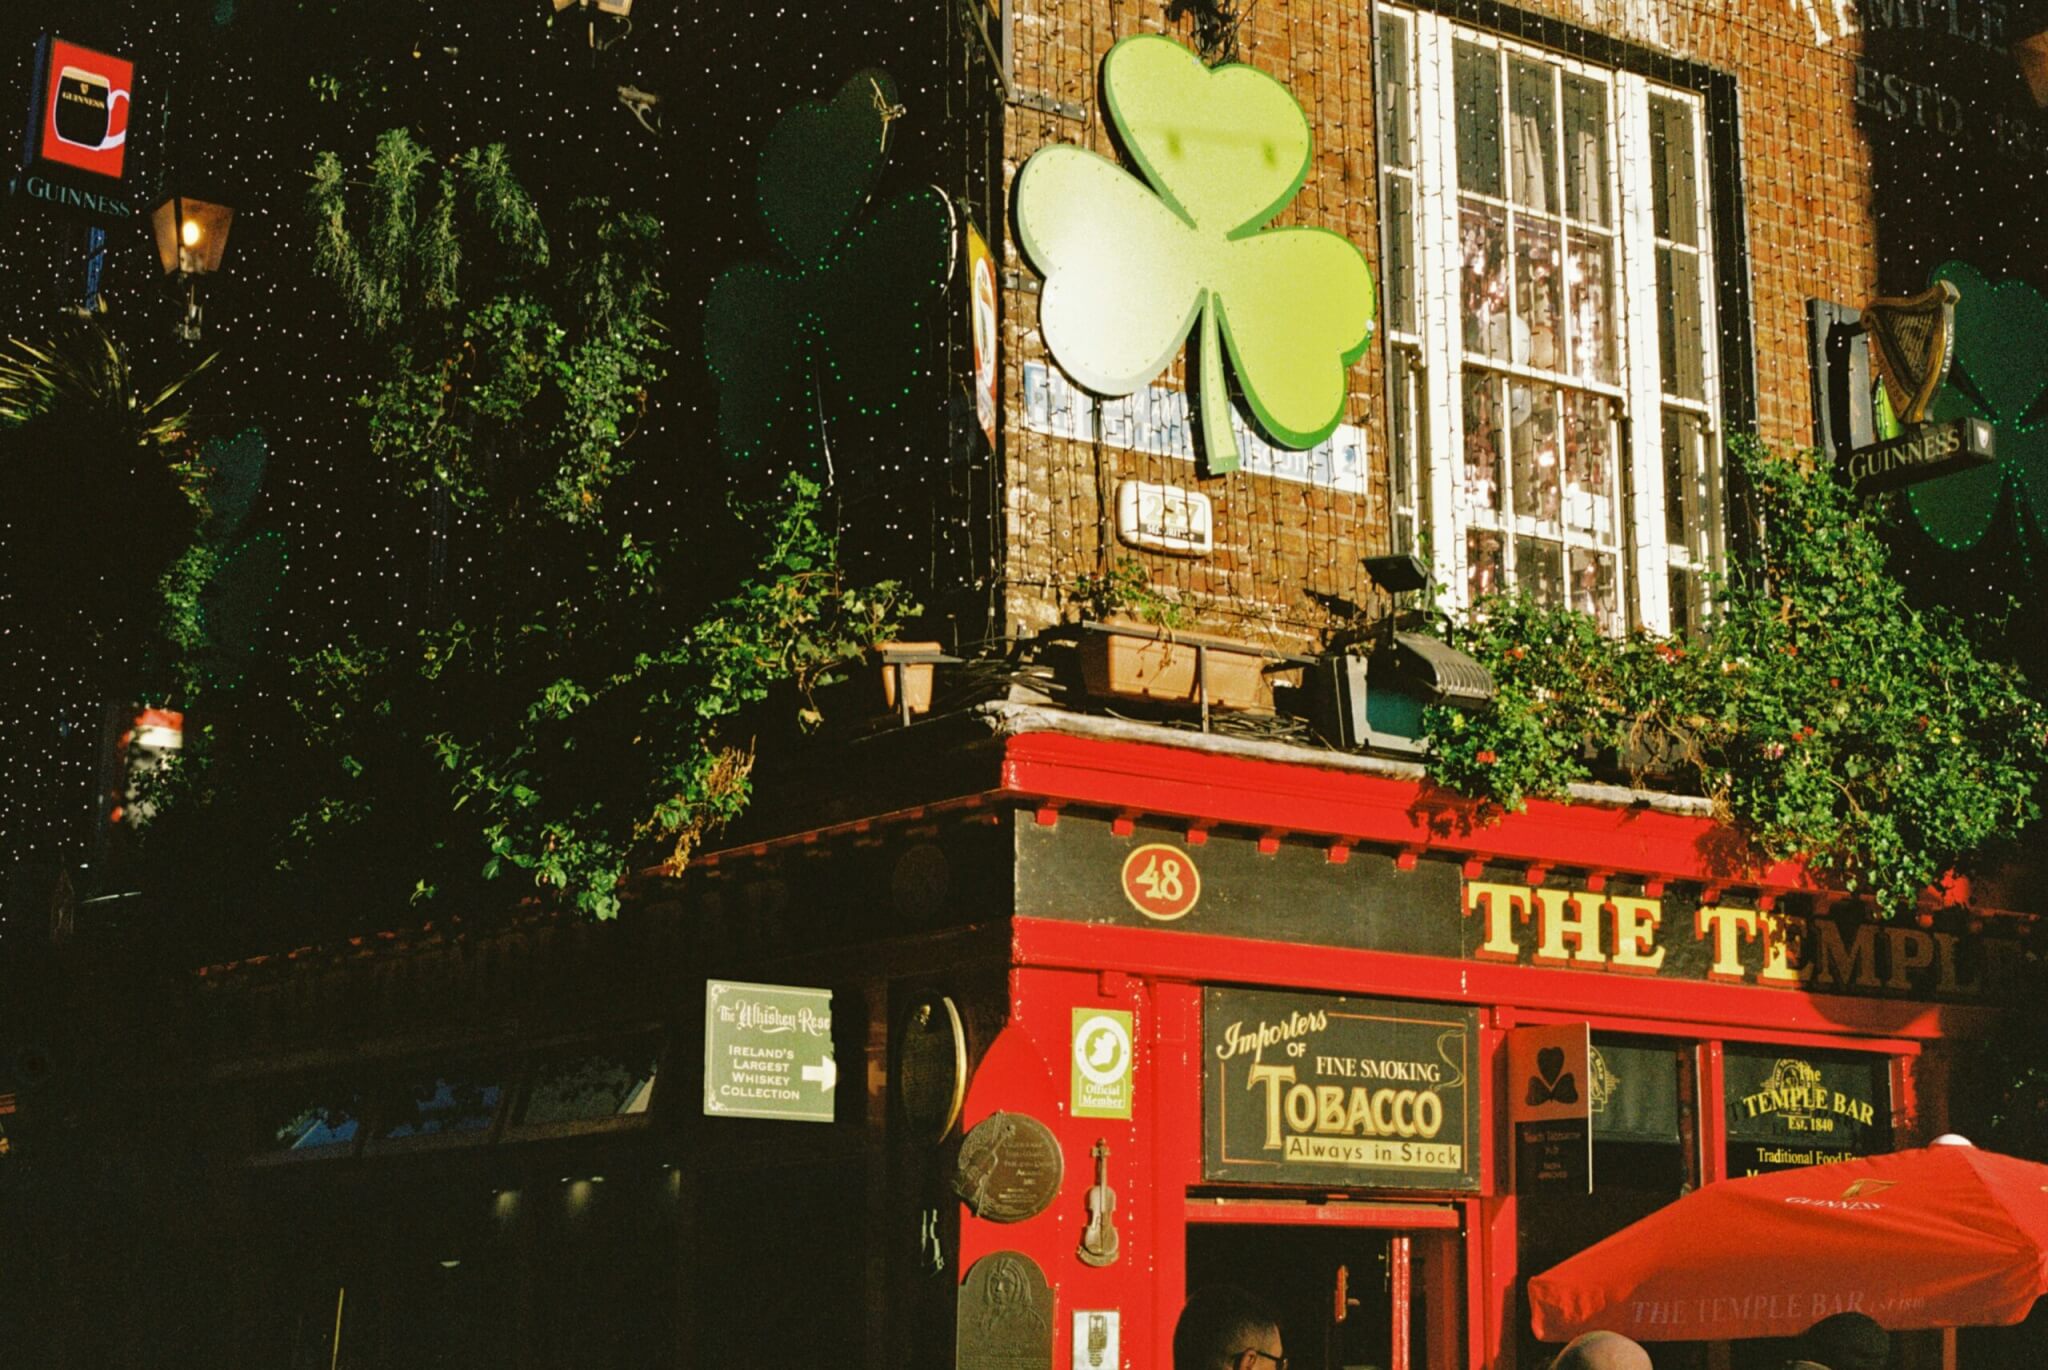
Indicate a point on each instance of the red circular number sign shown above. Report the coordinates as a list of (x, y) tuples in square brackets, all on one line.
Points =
[(1161, 881)]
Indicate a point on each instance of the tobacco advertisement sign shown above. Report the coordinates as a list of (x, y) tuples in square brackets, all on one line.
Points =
[(1332, 1090)]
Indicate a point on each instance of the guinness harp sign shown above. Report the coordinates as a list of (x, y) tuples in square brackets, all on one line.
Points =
[(1909, 345), (1912, 342)]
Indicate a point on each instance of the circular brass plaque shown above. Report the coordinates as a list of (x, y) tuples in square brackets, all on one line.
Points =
[(931, 1066), (1010, 1168)]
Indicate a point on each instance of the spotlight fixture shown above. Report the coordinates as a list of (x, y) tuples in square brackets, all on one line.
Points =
[(1370, 696), (1398, 574)]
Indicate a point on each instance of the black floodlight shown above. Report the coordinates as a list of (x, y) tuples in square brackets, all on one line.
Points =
[(1398, 574), (1438, 673)]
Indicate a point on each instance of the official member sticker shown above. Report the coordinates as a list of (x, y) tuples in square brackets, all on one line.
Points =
[(1101, 1072)]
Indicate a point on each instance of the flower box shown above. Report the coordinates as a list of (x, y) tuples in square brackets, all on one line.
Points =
[(1128, 660)]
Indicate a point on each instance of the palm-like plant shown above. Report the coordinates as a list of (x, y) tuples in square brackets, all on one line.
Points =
[(98, 497)]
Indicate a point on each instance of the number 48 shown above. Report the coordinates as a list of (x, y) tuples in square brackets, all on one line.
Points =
[(1161, 879)]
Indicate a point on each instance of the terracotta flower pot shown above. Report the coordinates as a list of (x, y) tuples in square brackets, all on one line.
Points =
[(1130, 660)]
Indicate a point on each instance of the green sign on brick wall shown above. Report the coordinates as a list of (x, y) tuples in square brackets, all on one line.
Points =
[(768, 1052)]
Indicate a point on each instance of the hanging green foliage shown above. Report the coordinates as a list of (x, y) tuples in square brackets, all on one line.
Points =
[(796, 619), (512, 376), (1819, 711), (566, 712)]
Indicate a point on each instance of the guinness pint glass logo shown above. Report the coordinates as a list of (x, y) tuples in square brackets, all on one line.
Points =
[(83, 119)]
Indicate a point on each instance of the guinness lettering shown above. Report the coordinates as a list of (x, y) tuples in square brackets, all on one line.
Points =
[(71, 197), (1927, 451)]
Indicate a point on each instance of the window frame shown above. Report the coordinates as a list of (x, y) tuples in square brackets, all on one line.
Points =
[(1427, 365)]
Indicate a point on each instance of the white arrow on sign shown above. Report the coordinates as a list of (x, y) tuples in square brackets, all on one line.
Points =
[(825, 1073)]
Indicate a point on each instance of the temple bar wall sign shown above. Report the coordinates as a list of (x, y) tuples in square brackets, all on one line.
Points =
[(1076, 871)]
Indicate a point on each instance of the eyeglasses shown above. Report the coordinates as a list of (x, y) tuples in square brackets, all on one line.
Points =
[(1279, 1362)]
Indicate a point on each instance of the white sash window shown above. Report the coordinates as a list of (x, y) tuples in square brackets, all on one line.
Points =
[(1553, 403)]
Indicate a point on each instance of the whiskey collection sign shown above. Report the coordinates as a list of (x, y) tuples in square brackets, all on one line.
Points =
[(1329, 1090)]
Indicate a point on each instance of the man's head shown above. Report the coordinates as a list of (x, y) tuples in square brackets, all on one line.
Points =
[(1227, 1328), (1601, 1351), (1847, 1341)]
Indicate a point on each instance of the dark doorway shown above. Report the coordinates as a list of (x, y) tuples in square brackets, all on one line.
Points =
[(1349, 1298)]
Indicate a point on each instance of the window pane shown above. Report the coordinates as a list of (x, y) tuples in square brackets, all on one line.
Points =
[(1476, 72), (444, 1104), (308, 1117), (1635, 1094), (1397, 129), (1593, 588), (1539, 570), (1678, 442), (1400, 268), (1585, 150), (1404, 406), (1539, 296), (1674, 195), (1683, 588), (1534, 409), (1483, 248), (1482, 563), (1690, 515), (587, 1084), (1589, 278), (1680, 347), (1589, 463), (1532, 128), (1482, 441)]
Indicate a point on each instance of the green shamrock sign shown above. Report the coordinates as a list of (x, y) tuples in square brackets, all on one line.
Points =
[(2001, 339), (1130, 265), (846, 317)]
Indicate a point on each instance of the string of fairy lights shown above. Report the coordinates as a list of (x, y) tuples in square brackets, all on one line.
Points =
[(255, 90)]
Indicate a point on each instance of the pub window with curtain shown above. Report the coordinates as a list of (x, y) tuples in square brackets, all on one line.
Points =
[(1548, 259)]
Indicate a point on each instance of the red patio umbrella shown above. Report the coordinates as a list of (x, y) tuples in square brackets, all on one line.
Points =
[(1943, 1236)]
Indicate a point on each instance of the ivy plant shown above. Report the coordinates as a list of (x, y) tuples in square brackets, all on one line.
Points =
[(513, 374), (1125, 587), (575, 712), (1824, 716)]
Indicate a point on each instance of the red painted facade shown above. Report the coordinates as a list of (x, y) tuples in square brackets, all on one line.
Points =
[(1456, 1254)]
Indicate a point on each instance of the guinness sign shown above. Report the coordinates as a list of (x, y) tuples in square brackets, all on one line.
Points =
[(1921, 453), (81, 108)]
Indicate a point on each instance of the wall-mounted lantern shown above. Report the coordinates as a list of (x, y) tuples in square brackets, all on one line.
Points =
[(191, 236), (2031, 55), (618, 9)]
